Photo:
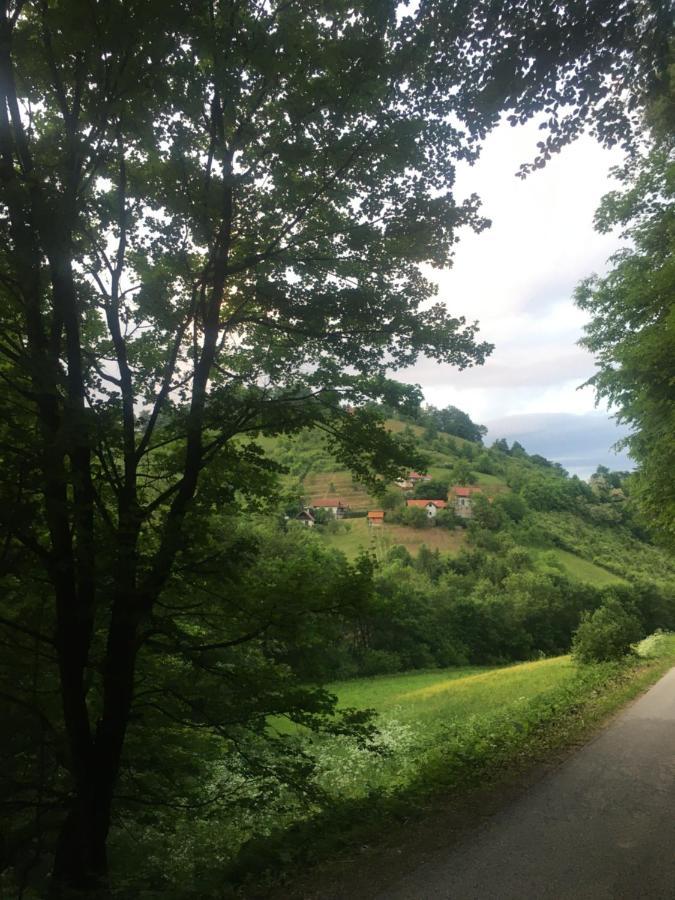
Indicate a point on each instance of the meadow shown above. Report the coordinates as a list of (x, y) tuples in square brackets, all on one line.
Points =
[(446, 726), (354, 535), (443, 732), (454, 694)]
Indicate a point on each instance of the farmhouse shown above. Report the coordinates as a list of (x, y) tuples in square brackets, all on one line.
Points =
[(376, 518), (334, 505), (411, 479), (460, 497), (414, 477), (431, 506), (306, 517)]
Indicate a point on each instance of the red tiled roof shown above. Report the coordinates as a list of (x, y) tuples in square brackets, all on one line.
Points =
[(439, 504), (464, 491), (376, 514), (329, 501)]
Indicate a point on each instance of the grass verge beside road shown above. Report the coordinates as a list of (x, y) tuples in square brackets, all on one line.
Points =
[(443, 750)]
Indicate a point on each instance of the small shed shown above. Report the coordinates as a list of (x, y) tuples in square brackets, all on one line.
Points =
[(376, 518)]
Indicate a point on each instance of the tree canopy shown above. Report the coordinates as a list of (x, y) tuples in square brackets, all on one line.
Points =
[(212, 220), (632, 326)]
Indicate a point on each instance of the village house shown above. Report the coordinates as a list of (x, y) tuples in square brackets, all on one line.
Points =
[(411, 479), (431, 506), (306, 517), (414, 477), (376, 518), (333, 505), (460, 497)]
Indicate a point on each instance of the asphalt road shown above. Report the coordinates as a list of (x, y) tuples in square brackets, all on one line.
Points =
[(601, 827)]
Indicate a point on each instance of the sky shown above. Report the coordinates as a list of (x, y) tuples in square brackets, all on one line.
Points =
[(517, 279)]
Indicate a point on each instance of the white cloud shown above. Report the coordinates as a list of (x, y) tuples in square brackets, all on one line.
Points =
[(518, 279)]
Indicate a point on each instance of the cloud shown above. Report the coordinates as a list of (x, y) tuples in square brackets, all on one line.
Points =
[(518, 279), (578, 442)]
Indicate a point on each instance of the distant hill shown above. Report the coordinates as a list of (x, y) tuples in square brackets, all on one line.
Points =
[(591, 534), (578, 442)]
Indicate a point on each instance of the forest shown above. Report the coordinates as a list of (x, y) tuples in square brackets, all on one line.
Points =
[(216, 223)]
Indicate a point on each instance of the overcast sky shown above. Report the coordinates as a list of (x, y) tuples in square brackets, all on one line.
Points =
[(518, 278)]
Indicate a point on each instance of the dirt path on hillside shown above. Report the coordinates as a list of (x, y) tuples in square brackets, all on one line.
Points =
[(599, 827)]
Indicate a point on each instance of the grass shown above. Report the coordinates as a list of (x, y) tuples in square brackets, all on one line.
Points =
[(357, 535), (337, 484), (583, 570), (454, 694), (449, 736)]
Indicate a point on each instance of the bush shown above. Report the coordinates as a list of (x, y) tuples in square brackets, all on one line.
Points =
[(446, 518), (393, 498), (436, 489), (379, 662), (606, 634), (513, 505), (413, 516)]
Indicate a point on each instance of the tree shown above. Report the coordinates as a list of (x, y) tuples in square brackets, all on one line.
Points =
[(453, 421), (414, 516), (606, 634), (502, 445), (632, 327), (512, 504), (393, 498), (212, 217), (485, 463), (461, 473), (431, 490), (485, 514)]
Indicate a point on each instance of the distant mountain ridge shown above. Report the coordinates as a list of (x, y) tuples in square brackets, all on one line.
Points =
[(578, 442)]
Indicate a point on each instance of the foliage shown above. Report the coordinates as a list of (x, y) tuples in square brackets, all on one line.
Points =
[(212, 224), (442, 732), (485, 514), (461, 473), (512, 505), (606, 634), (454, 421), (632, 327), (436, 489), (414, 516)]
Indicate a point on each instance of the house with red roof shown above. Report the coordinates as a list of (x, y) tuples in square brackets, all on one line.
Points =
[(460, 498), (335, 505), (431, 506), (411, 479), (414, 477), (376, 518)]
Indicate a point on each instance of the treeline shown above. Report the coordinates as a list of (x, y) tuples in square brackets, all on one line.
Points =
[(477, 608)]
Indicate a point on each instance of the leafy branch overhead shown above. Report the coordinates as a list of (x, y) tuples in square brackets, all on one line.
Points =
[(212, 221)]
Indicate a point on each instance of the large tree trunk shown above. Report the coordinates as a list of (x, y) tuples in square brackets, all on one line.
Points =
[(81, 864)]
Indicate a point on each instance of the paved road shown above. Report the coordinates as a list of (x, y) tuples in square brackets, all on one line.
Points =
[(602, 827)]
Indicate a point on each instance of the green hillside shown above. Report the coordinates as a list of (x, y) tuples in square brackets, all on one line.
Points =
[(589, 535), (353, 536)]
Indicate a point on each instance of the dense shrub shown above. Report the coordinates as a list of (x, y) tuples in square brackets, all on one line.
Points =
[(606, 634), (431, 490), (414, 516)]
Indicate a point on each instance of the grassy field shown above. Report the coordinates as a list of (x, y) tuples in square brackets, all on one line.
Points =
[(338, 484), (445, 733), (357, 536), (454, 694), (583, 570)]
